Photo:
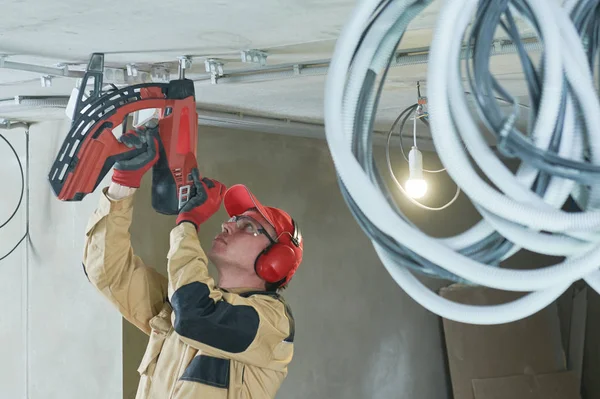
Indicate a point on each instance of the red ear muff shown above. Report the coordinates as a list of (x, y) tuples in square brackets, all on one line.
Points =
[(275, 262)]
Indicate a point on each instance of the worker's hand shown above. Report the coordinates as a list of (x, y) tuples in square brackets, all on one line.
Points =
[(204, 203), (130, 168)]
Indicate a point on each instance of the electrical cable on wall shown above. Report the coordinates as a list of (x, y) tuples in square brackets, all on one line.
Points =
[(559, 151), (21, 195)]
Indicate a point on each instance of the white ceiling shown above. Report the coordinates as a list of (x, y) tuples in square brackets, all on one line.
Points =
[(153, 32)]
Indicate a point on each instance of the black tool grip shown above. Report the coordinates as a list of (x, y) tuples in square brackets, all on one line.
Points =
[(164, 191), (164, 188)]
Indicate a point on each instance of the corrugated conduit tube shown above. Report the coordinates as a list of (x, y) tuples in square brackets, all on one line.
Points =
[(528, 219)]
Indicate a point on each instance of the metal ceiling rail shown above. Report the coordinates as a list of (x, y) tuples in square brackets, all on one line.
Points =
[(219, 75), (19, 66), (274, 125), (236, 120), (404, 57)]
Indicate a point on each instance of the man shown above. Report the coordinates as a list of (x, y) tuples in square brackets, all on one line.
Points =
[(230, 341)]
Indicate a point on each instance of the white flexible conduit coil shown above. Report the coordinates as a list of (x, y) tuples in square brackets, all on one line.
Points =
[(560, 151)]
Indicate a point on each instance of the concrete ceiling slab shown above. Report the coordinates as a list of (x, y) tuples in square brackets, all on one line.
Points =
[(155, 32)]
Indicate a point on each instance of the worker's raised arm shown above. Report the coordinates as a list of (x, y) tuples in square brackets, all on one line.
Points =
[(138, 291), (226, 325)]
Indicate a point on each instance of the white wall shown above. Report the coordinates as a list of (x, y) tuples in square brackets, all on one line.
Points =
[(13, 280), (59, 337)]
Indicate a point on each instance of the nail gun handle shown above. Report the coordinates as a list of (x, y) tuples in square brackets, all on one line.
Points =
[(172, 184), (164, 188)]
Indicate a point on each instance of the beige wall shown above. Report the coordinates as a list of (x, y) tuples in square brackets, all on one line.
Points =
[(358, 334)]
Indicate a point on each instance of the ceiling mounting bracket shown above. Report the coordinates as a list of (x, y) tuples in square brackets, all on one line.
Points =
[(298, 69), (215, 68), (254, 56), (185, 62), (160, 73), (132, 70), (46, 81), (64, 67)]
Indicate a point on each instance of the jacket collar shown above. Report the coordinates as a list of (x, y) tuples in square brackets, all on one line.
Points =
[(246, 292)]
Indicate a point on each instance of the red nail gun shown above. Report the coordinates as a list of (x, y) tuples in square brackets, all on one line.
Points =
[(90, 149)]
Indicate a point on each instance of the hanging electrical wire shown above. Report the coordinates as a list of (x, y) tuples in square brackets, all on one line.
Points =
[(21, 195), (416, 185), (559, 151)]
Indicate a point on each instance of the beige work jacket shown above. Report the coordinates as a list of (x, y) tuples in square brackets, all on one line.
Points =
[(205, 342)]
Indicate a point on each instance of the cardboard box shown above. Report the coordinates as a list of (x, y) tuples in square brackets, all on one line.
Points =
[(563, 385)]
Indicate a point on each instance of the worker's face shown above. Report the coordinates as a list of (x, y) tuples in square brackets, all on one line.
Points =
[(240, 242)]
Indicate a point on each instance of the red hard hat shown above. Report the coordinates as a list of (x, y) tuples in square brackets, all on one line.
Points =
[(281, 260)]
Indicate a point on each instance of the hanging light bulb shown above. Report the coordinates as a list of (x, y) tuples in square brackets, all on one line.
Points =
[(416, 186)]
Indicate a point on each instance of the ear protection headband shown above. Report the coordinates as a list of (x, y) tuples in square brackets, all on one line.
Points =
[(278, 261)]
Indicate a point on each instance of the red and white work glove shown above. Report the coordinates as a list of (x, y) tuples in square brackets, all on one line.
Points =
[(204, 203), (128, 171)]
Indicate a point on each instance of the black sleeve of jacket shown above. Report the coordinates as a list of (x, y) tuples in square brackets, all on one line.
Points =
[(220, 324)]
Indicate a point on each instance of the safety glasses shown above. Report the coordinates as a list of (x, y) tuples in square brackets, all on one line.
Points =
[(249, 225)]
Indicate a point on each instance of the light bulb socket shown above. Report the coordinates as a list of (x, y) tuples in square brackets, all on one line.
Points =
[(415, 163)]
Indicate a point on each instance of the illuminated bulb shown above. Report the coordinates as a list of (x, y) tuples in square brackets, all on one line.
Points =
[(416, 186)]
